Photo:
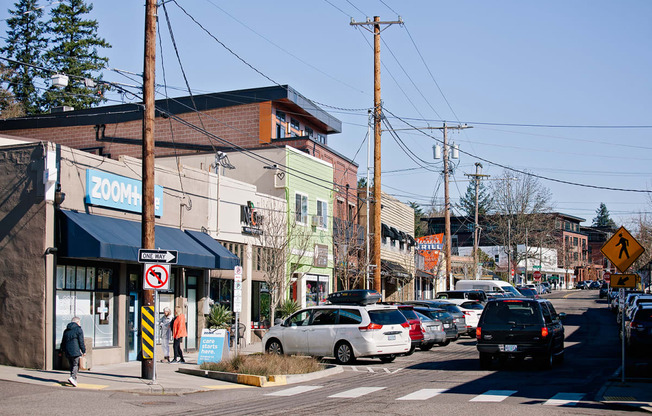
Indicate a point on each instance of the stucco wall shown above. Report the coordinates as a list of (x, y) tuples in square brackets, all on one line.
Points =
[(22, 259)]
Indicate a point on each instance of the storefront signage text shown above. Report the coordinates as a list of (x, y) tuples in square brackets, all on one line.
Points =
[(119, 192), (251, 219)]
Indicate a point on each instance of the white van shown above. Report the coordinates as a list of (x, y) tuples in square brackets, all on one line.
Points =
[(487, 285)]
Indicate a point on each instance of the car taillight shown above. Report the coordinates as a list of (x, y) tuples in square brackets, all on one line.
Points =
[(636, 325), (405, 324), (544, 332), (467, 313), (478, 333), (371, 327)]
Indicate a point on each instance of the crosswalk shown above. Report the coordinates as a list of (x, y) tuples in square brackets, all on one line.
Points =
[(490, 396)]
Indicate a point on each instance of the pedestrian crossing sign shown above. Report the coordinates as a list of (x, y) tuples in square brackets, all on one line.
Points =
[(622, 249)]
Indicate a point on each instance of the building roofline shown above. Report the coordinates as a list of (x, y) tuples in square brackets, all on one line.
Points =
[(120, 113)]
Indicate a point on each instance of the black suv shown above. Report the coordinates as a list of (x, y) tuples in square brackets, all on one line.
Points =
[(516, 328)]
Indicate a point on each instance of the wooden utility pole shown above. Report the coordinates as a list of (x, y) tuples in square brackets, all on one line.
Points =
[(447, 215), (377, 132), (476, 226), (147, 222)]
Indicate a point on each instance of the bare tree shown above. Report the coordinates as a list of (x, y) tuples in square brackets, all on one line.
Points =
[(286, 245), (522, 207), (350, 253)]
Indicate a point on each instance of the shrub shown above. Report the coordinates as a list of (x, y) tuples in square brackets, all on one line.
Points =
[(287, 308), (219, 318), (265, 365)]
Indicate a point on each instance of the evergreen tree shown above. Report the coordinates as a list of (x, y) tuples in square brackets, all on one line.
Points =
[(74, 52), (467, 201), (420, 227), (9, 106), (602, 218), (25, 43)]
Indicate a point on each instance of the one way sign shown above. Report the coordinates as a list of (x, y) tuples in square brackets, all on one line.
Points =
[(158, 256)]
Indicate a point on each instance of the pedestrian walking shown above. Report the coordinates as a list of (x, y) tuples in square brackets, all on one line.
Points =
[(72, 344), (179, 333), (166, 334)]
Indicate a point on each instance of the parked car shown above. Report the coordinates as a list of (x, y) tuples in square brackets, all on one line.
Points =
[(416, 332), (450, 329), (433, 331), (639, 330), (594, 285), (345, 331), (546, 287), (472, 310), (527, 292), (604, 290), (458, 315), (516, 328), (486, 285), (581, 285), (474, 294), (636, 302)]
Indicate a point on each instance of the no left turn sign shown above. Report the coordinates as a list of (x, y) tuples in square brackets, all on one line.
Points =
[(156, 276)]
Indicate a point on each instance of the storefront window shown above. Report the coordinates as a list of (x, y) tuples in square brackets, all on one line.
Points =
[(316, 290), (260, 305), (77, 295), (222, 292)]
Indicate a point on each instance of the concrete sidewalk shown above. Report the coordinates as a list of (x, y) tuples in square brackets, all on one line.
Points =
[(126, 377), (633, 393)]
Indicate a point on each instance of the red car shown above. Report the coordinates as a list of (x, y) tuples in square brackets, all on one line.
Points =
[(416, 330)]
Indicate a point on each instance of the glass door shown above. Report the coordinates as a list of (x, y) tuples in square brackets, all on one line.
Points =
[(132, 326), (191, 319)]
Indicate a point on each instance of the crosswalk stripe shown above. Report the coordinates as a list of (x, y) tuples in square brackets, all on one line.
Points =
[(564, 399), (354, 393), (423, 394), (493, 396), (294, 390)]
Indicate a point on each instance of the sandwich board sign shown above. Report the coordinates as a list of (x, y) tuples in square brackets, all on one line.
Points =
[(213, 346)]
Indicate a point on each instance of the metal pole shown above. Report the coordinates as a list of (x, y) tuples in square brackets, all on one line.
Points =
[(447, 215), (147, 223), (621, 304), (475, 227)]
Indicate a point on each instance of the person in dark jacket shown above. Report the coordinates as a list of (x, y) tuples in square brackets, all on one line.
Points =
[(72, 344)]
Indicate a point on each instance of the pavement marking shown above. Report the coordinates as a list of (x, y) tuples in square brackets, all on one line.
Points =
[(294, 390), (564, 399), (423, 394), (81, 385), (354, 393), (570, 294), (228, 387), (493, 396)]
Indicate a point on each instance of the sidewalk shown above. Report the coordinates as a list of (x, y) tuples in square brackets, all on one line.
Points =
[(631, 394), (126, 377)]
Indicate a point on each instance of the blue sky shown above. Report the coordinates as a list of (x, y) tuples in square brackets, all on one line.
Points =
[(500, 65)]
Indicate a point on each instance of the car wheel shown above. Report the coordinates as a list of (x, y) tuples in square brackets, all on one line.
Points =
[(344, 353), (426, 347), (444, 343), (412, 348), (485, 360), (559, 358), (388, 358), (274, 347)]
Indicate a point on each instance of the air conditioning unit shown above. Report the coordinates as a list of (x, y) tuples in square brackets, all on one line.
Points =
[(317, 221)]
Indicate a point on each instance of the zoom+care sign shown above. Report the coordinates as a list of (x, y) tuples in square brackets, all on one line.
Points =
[(119, 192)]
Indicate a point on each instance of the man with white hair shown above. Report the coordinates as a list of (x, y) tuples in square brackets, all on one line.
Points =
[(166, 334), (72, 344)]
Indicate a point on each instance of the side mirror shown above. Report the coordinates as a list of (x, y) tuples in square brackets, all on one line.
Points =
[(562, 315)]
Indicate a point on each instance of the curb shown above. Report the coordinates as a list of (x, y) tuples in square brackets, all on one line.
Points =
[(262, 381)]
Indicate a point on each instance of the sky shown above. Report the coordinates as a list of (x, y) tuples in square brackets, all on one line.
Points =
[(559, 89)]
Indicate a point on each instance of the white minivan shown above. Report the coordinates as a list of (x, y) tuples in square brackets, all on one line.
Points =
[(488, 286), (345, 332)]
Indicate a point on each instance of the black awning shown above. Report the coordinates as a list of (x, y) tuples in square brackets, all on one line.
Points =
[(402, 237), (385, 231), (96, 237), (393, 269)]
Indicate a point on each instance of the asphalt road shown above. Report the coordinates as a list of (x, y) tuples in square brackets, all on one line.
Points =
[(446, 380)]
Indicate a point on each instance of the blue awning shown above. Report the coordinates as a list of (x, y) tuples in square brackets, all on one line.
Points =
[(225, 259), (96, 237)]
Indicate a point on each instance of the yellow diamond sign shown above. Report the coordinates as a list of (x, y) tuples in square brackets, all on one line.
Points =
[(622, 249)]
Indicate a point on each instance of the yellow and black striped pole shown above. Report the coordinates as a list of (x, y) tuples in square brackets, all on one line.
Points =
[(147, 331)]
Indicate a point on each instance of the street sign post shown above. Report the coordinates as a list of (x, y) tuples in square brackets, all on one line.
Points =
[(156, 276), (237, 302), (158, 256), (622, 249), (536, 275), (606, 276)]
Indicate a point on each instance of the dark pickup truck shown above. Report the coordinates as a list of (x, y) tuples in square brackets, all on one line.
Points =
[(517, 328)]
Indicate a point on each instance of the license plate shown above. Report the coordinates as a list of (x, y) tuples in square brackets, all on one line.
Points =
[(391, 337), (447, 326), (508, 348)]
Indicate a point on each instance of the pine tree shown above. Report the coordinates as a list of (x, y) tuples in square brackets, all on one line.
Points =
[(25, 44), (467, 201), (74, 52), (602, 218), (9, 106)]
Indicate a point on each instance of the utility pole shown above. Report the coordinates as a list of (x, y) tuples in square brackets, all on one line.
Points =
[(147, 222), (447, 216), (377, 119), (476, 226)]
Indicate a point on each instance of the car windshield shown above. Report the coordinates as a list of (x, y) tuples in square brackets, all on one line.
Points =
[(511, 289), (386, 317), (450, 308), (511, 312), (644, 315), (423, 317), (526, 291), (408, 313)]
